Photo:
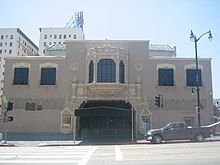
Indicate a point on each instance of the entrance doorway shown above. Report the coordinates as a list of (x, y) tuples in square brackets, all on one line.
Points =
[(104, 120)]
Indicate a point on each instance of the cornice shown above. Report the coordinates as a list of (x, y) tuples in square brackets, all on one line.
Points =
[(36, 57), (160, 58)]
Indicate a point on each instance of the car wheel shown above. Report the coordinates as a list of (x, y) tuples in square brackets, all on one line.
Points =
[(157, 139), (200, 138)]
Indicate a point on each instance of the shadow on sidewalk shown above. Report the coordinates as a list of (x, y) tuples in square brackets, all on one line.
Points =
[(107, 141)]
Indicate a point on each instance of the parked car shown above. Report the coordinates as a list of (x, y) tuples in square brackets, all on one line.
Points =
[(177, 131)]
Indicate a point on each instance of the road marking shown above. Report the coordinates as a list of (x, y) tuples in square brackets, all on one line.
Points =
[(88, 155), (118, 154)]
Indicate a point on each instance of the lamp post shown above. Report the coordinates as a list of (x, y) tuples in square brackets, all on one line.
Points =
[(195, 39)]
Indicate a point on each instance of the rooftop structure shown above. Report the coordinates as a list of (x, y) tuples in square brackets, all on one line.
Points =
[(162, 50)]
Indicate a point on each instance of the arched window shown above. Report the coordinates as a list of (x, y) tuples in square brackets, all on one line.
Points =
[(121, 72), (106, 71), (91, 71)]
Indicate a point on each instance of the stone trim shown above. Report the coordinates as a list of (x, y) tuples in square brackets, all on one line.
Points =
[(21, 65), (192, 66)]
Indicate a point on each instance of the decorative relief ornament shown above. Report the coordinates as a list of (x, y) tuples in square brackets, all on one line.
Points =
[(138, 67), (74, 79), (138, 80), (75, 67)]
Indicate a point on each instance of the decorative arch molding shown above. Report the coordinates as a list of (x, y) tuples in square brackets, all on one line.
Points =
[(48, 65), (21, 65), (192, 66), (166, 66)]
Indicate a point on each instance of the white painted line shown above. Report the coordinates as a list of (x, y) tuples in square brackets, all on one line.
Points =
[(118, 154), (88, 155)]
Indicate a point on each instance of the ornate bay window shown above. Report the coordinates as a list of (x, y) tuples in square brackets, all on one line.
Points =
[(106, 70)]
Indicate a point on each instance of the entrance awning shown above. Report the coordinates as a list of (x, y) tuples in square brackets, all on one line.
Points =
[(103, 111)]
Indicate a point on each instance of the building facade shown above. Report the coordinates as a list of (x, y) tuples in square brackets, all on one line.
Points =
[(13, 42), (54, 36), (105, 89)]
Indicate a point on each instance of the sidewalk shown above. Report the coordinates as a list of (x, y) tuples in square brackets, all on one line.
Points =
[(71, 143)]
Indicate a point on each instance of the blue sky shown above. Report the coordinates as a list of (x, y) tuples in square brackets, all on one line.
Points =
[(160, 21)]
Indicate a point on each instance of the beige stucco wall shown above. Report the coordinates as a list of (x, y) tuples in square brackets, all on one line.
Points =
[(139, 89)]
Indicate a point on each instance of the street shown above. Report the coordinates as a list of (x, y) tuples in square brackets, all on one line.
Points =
[(177, 153)]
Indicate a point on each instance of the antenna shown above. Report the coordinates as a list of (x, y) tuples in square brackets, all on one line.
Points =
[(76, 20)]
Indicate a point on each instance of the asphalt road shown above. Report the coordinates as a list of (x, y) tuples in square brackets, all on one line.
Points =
[(162, 154)]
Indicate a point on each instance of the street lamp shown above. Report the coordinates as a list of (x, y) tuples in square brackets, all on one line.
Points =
[(193, 38)]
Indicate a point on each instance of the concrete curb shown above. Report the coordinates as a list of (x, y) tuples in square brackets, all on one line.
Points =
[(7, 145)]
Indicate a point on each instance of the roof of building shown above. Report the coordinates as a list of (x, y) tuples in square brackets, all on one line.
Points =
[(23, 35), (57, 47), (159, 47)]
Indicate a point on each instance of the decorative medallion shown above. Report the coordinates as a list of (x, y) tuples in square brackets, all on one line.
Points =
[(138, 67), (75, 67)]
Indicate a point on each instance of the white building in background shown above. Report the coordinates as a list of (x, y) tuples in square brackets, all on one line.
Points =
[(54, 36), (13, 42)]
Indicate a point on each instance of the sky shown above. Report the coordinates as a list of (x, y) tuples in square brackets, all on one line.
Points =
[(160, 21)]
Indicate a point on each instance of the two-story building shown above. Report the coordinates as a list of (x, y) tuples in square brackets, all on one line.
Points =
[(106, 88)]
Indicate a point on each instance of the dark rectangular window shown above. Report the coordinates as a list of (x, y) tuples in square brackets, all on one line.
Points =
[(165, 77), (48, 76), (30, 106), (191, 77), (21, 76)]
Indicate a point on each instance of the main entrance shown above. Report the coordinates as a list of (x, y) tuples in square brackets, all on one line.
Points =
[(104, 120)]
